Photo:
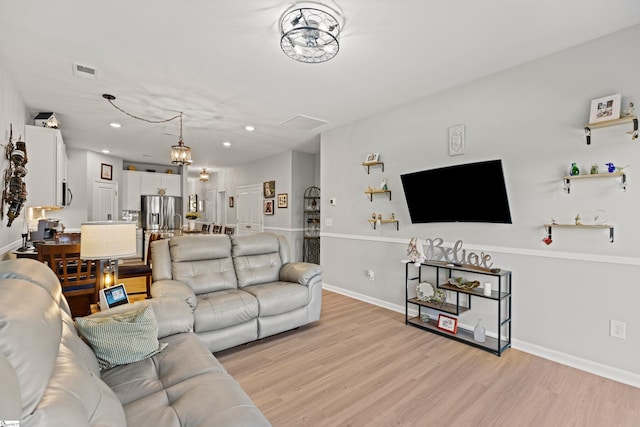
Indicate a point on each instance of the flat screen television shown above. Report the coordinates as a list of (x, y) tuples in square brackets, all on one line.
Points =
[(472, 192)]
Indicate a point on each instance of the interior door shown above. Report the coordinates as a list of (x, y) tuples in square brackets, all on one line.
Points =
[(105, 201), (249, 208)]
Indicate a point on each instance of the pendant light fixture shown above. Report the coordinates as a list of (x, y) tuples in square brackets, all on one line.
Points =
[(204, 175), (310, 34), (180, 153)]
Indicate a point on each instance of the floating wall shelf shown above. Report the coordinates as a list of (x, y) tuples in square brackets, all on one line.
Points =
[(384, 221), (367, 165), (630, 119), (372, 192), (623, 176), (549, 227)]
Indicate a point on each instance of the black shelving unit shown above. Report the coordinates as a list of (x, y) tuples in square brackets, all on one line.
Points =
[(502, 297), (311, 241)]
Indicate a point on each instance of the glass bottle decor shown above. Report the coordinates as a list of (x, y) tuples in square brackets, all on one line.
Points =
[(479, 332), (575, 170)]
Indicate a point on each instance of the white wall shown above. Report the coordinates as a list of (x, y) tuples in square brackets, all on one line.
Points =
[(12, 112), (532, 118)]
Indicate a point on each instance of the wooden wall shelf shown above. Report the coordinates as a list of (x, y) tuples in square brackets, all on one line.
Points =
[(372, 192), (367, 165), (622, 175), (616, 122), (384, 221), (549, 227)]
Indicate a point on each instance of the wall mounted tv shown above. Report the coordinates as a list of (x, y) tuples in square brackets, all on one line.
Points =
[(472, 192)]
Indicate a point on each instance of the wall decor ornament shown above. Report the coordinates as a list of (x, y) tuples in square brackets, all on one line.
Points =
[(456, 140), (456, 255), (14, 192), (605, 108), (231, 202)]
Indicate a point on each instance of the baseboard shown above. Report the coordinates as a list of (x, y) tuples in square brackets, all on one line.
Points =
[(595, 368)]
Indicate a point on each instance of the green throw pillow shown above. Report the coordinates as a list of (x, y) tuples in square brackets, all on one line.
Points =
[(122, 338)]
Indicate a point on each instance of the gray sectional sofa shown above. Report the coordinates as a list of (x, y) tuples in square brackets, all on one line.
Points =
[(241, 288), (50, 377)]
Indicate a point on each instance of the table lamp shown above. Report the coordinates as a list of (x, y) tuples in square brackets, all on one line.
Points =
[(107, 241)]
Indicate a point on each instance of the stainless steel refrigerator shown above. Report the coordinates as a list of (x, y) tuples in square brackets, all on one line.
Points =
[(161, 213)]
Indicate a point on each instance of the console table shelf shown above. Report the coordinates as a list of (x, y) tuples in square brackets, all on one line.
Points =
[(615, 122), (443, 271)]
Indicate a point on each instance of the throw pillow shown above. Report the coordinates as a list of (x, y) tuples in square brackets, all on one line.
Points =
[(122, 338)]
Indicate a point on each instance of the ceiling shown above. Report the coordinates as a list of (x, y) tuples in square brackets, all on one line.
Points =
[(220, 63)]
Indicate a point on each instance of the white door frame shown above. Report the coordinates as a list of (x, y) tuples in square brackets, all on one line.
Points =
[(98, 212), (249, 209)]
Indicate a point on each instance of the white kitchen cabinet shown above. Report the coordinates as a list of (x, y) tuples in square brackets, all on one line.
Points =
[(137, 183), (47, 165), (130, 190)]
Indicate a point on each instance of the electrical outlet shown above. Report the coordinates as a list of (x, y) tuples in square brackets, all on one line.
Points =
[(617, 329), (371, 275)]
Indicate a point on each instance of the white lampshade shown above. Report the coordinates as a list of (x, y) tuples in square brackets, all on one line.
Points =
[(107, 239)]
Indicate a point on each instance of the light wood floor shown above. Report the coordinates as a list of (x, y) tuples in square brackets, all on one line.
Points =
[(361, 366)]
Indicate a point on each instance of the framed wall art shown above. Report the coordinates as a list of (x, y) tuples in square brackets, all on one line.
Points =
[(372, 157), (106, 171), (268, 207), (283, 200), (269, 189), (605, 108), (449, 324), (231, 201)]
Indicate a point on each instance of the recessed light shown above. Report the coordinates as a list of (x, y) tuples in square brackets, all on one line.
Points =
[(106, 151), (115, 125), (249, 128), (226, 144)]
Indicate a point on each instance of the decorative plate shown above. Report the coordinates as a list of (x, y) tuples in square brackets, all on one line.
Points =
[(425, 291)]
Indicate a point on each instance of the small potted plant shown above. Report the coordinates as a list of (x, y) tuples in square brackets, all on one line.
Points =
[(191, 219)]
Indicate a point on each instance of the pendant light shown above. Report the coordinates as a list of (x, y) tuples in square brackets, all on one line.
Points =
[(204, 175)]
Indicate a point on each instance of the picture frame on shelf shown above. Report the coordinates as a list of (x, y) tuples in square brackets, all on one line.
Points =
[(283, 200), (456, 140), (447, 323), (605, 108), (372, 157), (269, 188), (106, 171), (268, 207)]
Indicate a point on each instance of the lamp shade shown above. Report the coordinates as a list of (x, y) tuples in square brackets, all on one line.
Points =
[(107, 239)]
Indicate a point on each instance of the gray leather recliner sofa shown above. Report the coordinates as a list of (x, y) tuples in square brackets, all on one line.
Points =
[(49, 376), (241, 288)]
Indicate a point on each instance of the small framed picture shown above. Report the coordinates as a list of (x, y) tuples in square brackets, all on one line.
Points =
[(283, 200), (269, 189), (456, 140), (106, 171), (231, 201), (372, 157), (605, 108), (449, 324), (268, 207)]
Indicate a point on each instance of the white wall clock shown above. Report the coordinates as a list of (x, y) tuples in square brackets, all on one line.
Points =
[(456, 140)]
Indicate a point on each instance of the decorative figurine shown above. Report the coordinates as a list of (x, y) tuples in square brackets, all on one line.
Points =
[(415, 251), (373, 216), (611, 167), (383, 186), (594, 169), (575, 170), (553, 221), (578, 220), (547, 240), (630, 111), (379, 217), (393, 216)]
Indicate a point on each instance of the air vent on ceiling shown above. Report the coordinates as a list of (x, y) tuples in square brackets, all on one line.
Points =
[(84, 71), (301, 122)]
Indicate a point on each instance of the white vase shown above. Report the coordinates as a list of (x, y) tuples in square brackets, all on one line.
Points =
[(192, 224), (479, 332)]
